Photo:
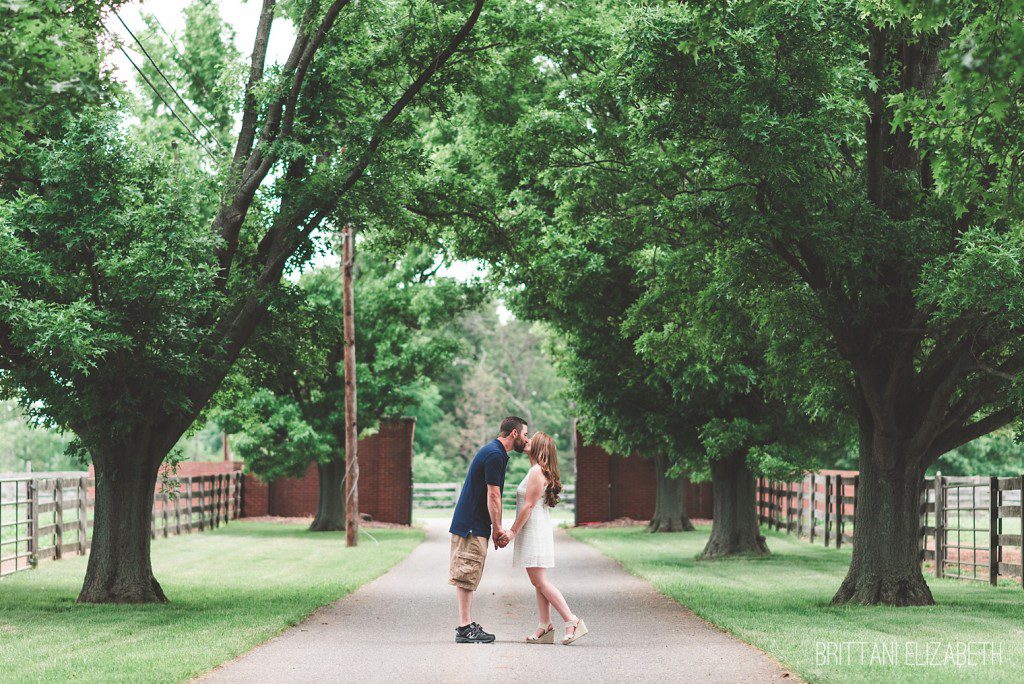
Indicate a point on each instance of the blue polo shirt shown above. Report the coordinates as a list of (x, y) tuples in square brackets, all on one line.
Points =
[(486, 468)]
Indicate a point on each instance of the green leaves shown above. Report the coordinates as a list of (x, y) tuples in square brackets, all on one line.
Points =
[(286, 396), (104, 272), (50, 65)]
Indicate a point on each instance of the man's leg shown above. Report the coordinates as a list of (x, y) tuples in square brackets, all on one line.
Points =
[(467, 563), (465, 597)]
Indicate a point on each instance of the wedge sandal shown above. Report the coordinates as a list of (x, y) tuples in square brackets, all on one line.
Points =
[(579, 629), (547, 637)]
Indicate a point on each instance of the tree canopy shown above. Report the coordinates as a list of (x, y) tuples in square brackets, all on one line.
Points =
[(130, 281), (286, 398)]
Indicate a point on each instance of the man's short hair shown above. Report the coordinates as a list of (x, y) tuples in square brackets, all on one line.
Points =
[(511, 423)]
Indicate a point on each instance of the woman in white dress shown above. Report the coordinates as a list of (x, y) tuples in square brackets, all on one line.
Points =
[(534, 538)]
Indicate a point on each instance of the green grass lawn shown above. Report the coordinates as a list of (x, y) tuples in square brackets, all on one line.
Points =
[(780, 605), (230, 589)]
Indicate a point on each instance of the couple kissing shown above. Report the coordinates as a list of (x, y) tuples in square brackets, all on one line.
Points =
[(477, 522)]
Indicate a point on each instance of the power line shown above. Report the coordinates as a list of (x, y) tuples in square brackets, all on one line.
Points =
[(166, 80), (170, 38), (164, 100)]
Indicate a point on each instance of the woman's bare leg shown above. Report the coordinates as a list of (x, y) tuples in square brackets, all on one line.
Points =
[(539, 579), (543, 607)]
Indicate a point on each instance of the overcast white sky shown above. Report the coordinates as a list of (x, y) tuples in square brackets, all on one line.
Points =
[(243, 15)]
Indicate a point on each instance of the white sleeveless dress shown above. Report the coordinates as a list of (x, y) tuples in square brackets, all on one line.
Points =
[(534, 546)]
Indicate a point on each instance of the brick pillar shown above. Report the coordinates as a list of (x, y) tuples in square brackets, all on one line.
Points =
[(385, 472), (385, 480), (593, 497), (256, 499), (634, 487)]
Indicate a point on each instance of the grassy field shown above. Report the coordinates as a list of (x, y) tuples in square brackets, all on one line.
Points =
[(230, 589), (780, 605)]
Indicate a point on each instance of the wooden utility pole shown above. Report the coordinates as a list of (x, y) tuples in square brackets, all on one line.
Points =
[(348, 261)]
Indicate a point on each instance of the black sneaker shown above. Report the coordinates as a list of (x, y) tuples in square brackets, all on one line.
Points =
[(472, 634)]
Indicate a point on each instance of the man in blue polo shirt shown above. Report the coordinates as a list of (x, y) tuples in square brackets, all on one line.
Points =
[(477, 518)]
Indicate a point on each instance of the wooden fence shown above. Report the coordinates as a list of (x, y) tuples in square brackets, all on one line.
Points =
[(445, 495), (970, 534), (49, 516)]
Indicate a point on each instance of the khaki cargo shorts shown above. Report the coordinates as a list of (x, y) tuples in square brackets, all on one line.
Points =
[(467, 561)]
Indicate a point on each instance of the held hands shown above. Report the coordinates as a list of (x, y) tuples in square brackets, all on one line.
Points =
[(502, 538)]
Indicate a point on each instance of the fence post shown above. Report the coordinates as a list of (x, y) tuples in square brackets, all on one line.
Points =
[(994, 550), (778, 505), (814, 517), (215, 503), (188, 504), (165, 499), (177, 508), (840, 504), (240, 495), (828, 508), (790, 495), (58, 519), (800, 508), (222, 508), (940, 514), (83, 515), (33, 515), (212, 489), (202, 500)]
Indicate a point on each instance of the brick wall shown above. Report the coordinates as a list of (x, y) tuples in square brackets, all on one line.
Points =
[(385, 480), (593, 501), (385, 472), (610, 486)]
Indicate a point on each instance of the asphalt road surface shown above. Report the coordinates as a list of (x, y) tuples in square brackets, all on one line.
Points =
[(401, 628)]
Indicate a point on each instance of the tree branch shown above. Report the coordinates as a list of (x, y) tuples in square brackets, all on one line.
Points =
[(953, 438), (414, 88), (231, 216)]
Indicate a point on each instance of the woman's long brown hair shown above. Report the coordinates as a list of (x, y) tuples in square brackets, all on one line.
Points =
[(543, 450)]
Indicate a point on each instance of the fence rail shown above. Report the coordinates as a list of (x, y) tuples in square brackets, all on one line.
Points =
[(48, 517), (971, 527), (446, 494)]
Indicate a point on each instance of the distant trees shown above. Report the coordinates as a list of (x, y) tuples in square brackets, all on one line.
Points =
[(22, 443), (286, 397), (504, 368)]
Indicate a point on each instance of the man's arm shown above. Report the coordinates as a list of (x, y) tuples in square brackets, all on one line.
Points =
[(494, 509)]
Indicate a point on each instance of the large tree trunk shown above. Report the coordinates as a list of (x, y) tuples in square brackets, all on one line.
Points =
[(886, 567), (330, 502), (119, 569), (669, 502), (734, 526)]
